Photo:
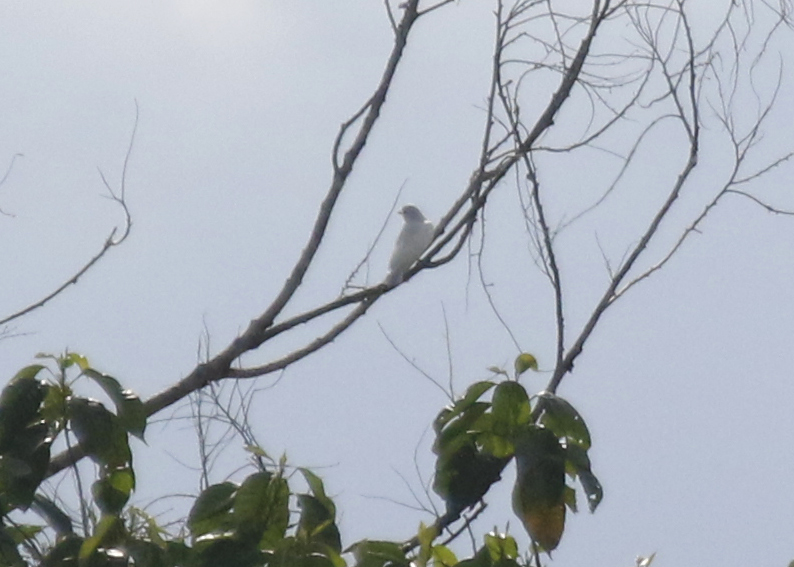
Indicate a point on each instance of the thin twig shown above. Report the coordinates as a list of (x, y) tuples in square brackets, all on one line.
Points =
[(110, 241)]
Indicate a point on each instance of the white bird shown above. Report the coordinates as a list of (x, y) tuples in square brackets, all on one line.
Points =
[(415, 237)]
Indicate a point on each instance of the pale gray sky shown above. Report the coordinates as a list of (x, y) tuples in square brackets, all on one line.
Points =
[(686, 385)]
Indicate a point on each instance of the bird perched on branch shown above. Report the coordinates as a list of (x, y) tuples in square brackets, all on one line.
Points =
[(414, 238)]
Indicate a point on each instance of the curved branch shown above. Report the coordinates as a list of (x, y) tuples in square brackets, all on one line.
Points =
[(110, 241), (262, 328), (5, 177), (693, 133)]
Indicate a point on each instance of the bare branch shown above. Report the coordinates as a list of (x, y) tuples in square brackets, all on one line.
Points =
[(693, 132), (414, 365), (391, 16), (110, 242), (5, 177)]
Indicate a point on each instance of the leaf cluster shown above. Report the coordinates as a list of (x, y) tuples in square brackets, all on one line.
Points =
[(547, 437), (263, 521)]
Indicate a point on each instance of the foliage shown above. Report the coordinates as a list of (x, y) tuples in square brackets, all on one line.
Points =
[(263, 521), (475, 440)]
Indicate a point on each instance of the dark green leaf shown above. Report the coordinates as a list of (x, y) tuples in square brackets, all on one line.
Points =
[(317, 523), (23, 532), (57, 519), (578, 465), (210, 511), (108, 533), (113, 491), (560, 417), (9, 555), (224, 551), (27, 373), (378, 554), (147, 554), (19, 404), (459, 430), (539, 492), (473, 393), (465, 475), (570, 499), (178, 553), (54, 408), (130, 409), (99, 432), (24, 464), (318, 489), (261, 508), (64, 553), (483, 558)]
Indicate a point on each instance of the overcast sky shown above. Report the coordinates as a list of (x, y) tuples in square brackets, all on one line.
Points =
[(686, 385)]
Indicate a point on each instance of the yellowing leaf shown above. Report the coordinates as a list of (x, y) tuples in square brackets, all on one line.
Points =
[(524, 362), (539, 493)]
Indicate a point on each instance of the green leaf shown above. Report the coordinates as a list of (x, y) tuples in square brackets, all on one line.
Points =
[(216, 551), (210, 511), (318, 489), (570, 499), (578, 464), (149, 527), (99, 432), (484, 558), (498, 446), (19, 404), (9, 555), (73, 358), (54, 408), (24, 464), (130, 409), (443, 556), (257, 451), (497, 370), (113, 491), (501, 546), (510, 408), (459, 430), (57, 519), (28, 373), (108, 533), (178, 553), (524, 362), (471, 455), (426, 536), (560, 417), (539, 492), (369, 553), (64, 553), (317, 523), (21, 533), (261, 508), (473, 393), (464, 475), (147, 554)]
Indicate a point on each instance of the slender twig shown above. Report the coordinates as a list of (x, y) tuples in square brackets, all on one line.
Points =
[(693, 131), (413, 364), (110, 242), (5, 177)]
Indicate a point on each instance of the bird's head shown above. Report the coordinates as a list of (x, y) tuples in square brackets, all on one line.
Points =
[(412, 213)]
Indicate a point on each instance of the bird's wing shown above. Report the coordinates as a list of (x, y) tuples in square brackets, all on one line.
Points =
[(412, 241)]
